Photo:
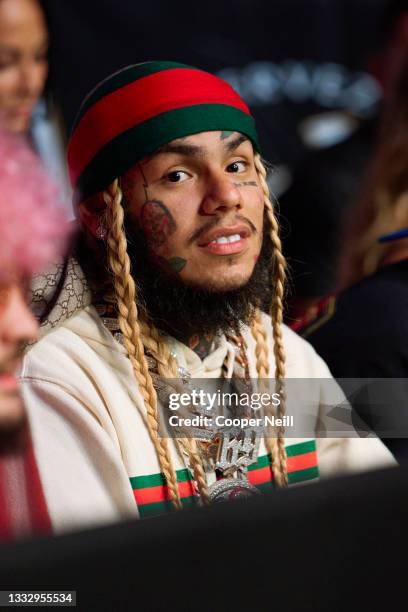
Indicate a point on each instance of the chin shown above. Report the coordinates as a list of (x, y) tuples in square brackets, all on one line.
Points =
[(220, 283), (18, 126)]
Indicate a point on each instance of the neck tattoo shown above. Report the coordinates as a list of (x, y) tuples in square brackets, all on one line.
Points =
[(201, 344)]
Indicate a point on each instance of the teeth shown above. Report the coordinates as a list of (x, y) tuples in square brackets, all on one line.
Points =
[(226, 239)]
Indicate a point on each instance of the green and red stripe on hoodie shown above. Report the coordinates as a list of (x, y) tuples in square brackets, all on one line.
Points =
[(152, 495)]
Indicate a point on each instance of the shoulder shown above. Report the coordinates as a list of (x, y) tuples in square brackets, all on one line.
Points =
[(77, 373), (73, 354), (62, 340)]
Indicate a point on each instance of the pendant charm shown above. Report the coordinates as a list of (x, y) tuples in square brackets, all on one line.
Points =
[(238, 449), (231, 489)]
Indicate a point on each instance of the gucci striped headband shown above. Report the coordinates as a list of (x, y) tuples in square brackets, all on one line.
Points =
[(137, 110)]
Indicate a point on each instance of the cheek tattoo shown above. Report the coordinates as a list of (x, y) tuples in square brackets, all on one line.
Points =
[(157, 223), (177, 263)]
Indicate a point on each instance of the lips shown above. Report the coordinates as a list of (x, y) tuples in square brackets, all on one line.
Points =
[(8, 369), (8, 381), (224, 241), (23, 110), (225, 232), (10, 364)]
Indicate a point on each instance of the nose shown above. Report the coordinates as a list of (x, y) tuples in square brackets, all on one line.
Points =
[(31, 78), (220, 194), (17, 323)]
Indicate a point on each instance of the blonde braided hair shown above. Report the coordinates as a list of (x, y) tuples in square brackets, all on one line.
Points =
[(275, 447), (138, 335), (167, 369), (125, 291)]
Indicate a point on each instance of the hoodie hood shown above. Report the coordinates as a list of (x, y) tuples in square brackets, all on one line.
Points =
[(58, 293)]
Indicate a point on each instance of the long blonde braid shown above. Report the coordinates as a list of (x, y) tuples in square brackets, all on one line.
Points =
[(275, 447), (262, 368), (167, 369), (125, 291)]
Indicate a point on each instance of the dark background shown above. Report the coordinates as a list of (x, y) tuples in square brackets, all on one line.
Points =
[(92, 38), (279, 54)]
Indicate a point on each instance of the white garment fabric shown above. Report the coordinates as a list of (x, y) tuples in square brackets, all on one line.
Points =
[(87, 417)]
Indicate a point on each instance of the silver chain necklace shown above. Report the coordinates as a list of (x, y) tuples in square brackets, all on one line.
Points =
[(226, 452)]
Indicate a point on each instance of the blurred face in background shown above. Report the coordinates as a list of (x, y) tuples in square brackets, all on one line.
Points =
[(23, 61), (17, 326)]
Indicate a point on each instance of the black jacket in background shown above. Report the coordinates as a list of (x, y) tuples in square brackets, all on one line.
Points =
[(367, 337)]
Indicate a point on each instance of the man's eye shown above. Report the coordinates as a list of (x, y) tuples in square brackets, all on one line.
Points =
[(178, 176), (238, 166)]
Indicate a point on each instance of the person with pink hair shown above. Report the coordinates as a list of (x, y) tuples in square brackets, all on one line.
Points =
[(32, 232)]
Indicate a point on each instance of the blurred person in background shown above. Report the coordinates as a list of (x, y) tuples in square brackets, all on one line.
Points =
[(31, 234), (25, 107), (366, 334), (383, 206), (330, 186), (23, 62)]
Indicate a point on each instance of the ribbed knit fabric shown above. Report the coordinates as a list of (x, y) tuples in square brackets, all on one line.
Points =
[(135, 111)]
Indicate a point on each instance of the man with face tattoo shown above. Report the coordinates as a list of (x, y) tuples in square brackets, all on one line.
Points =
[(178, 273)]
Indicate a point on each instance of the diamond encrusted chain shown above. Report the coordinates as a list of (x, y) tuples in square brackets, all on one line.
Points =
[(228, 451)]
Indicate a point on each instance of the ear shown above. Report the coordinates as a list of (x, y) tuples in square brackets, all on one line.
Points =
[(90, 213)]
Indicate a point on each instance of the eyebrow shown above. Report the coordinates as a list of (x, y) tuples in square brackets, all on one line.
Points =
[(182, 149), (231, 145)]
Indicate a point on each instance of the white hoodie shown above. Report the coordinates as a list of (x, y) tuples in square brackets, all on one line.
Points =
[(96, 460)]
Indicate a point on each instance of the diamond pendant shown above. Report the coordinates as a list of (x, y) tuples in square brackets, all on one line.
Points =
[(231, 489)]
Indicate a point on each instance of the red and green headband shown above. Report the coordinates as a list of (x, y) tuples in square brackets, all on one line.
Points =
[(139, 109)]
